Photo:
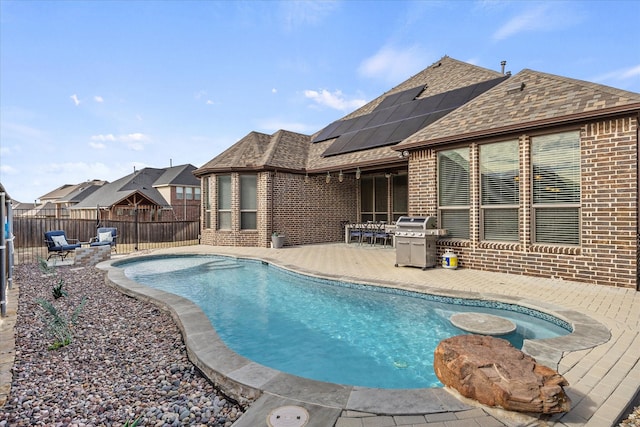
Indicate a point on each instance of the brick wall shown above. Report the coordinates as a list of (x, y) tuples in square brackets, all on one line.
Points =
[(306, 212), (608, 251)]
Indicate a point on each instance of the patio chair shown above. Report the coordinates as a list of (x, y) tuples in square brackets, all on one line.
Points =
[(106, 236), (369, 232), (59, 245), (355, 232), (381, 234)]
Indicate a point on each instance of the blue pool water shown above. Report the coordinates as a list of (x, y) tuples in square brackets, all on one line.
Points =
[(325, 330)]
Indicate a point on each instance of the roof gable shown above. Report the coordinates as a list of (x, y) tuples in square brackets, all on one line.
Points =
[(256, 151), (528, 99)]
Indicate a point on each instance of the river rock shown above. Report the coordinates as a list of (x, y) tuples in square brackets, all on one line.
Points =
[(493, 372)]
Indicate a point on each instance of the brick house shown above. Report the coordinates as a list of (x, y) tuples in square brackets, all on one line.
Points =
[(154, 194), (531, 174)]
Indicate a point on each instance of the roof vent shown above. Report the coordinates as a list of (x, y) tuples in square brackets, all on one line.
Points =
[(515, 87)]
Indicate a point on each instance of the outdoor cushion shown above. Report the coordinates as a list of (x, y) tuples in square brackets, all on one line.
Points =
[(105, 237), (59, 241)]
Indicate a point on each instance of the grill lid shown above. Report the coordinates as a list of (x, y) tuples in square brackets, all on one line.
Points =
[(416, 223)]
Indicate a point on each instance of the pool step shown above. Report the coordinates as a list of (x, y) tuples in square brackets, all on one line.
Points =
[(221, 265)]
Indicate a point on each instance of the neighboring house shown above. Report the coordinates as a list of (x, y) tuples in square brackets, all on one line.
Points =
[(530, 174), (168, 194), (55, 204)]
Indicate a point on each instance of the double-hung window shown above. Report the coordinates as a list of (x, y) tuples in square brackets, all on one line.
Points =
[(206, 202), (224, 202), (499, 191), (453, 192), (248, 202), (556, 188)]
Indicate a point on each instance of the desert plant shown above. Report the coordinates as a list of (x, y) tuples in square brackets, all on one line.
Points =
[(50, 270), (45, 268), (57, 323), (133, 423), (58, 291)]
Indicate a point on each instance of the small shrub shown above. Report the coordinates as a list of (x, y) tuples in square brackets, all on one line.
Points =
[(57, 323)]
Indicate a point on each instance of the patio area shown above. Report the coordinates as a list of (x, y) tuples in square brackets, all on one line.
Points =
[(603, 379)]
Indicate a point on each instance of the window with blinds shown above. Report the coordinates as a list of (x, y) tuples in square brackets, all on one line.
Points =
[(499, 191), (224, 202), (248, 202), (206, 202), (453, 192), (556, 188)]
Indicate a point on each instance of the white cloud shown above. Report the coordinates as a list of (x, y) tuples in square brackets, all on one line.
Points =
[(631, 72), (274, 90), (134, 141), (98, 99), (209, 102), (8, 170), (108, 137), (618, 75), (393, 65), (302, 14), (97, 145), (545, 17), (335, 100), (75, 99)]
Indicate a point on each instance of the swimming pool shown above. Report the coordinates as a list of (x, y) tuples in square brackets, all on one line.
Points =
[(330, 331)]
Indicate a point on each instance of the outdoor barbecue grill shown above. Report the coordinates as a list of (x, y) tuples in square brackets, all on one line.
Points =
[(415, 238)]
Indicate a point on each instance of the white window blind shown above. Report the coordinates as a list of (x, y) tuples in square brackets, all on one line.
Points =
[(499, 190), (556, 188), (224, 202), (248, 202), (453, 191)]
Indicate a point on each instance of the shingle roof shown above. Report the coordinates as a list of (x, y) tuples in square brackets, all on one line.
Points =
[(143, 182), (178, 175), (528, 99), (258, 151)]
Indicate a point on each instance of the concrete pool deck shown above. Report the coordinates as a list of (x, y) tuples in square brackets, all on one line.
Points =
[(604, 374)]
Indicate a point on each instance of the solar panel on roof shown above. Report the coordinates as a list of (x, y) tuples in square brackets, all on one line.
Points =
[(324, 133), (397, 117), (407, 95)]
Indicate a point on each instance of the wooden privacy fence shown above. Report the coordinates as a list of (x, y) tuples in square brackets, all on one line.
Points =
[(29, 232)]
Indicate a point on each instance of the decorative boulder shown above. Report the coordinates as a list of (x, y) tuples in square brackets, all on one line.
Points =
[(493, 372)]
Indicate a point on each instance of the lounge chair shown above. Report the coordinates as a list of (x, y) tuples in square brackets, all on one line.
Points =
[(58, 244), (106, 236)]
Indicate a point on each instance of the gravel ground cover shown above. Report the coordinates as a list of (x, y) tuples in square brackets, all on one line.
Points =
[(126, 361)]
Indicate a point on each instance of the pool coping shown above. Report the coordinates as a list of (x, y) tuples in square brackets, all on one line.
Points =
[(245, 381)]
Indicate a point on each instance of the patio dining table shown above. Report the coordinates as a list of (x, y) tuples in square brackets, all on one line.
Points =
[(388, 228)]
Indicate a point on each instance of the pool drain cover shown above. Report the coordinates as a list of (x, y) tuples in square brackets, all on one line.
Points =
[(288, 416)]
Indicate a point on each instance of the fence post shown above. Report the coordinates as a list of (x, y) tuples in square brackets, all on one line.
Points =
[(135, 231)]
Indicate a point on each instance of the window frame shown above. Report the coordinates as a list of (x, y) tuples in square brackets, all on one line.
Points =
[(487, 209), (224, 211), (575, 206), (248, 214), (454, 209), (372, 213)]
